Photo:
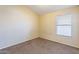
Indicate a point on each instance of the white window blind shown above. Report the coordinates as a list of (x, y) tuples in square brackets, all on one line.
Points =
[(64, 25)]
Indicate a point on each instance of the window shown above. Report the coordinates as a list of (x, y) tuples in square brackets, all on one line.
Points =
[(64, 25)]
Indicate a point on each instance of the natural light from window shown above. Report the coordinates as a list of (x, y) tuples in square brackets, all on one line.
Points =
[(64, 25)]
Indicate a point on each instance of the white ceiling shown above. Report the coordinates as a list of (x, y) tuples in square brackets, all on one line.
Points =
[(43, 9)]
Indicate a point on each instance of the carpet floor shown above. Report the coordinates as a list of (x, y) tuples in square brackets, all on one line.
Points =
[(40, 46)]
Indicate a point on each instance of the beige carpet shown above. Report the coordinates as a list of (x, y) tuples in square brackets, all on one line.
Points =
[(40, 46)]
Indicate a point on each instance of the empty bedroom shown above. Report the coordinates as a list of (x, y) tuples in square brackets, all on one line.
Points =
[(39, 29)]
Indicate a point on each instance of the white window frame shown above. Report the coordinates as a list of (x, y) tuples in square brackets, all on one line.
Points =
[(63, 25)]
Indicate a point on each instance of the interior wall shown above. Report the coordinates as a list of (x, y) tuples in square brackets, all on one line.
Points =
[(48, 27), (17, 24)]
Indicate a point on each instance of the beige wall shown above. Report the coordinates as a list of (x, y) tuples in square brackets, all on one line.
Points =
[(48, 27), (17, 24)]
